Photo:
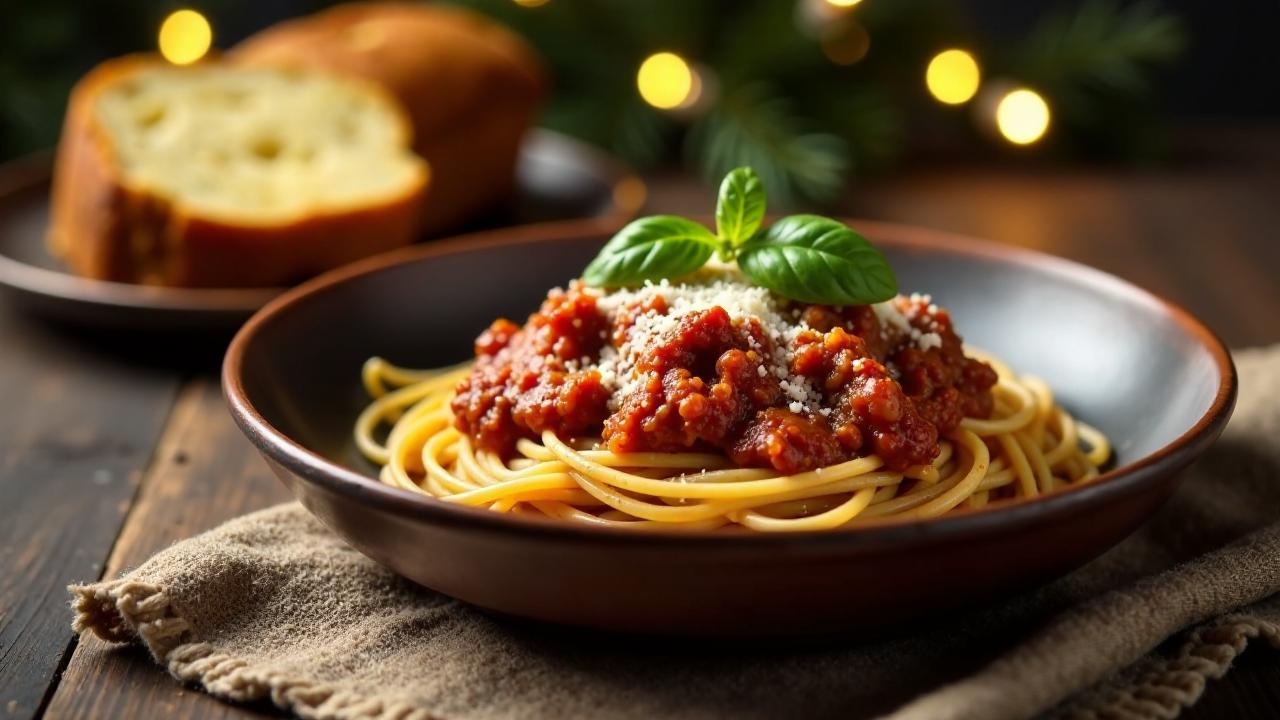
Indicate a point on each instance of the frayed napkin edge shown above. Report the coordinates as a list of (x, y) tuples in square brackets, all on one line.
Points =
[(1165, 686), (122, 611)]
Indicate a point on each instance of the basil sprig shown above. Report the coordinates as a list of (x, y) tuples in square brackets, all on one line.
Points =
[(818, 260), (649, 249), (802, 257), (740, 207)]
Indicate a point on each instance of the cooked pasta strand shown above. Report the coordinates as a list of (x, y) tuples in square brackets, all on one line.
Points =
[(1029, 446)]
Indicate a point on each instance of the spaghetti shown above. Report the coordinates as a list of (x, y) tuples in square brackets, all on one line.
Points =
[(1027, 446)]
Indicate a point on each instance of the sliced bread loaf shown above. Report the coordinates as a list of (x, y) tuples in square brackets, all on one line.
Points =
[(220, 176), (471, 88)]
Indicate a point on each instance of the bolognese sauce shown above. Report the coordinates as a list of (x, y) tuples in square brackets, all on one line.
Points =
[(715, 364)]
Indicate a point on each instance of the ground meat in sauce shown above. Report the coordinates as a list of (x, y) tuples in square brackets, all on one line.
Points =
[(779, 438), (536, 378), (696, 387), (943, 384), (870, 412), (705, 385)]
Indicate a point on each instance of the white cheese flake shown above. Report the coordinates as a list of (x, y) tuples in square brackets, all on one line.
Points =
[(892, 321), (725, 287), (929, 340)]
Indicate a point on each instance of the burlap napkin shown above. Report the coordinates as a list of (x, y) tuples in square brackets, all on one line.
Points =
[(273, 606)]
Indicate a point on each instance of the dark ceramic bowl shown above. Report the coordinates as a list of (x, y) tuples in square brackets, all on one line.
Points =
[(1144, 371)]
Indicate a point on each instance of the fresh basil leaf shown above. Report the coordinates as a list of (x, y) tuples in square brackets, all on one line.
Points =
[(662, 246), (818, 260), (740, 207)]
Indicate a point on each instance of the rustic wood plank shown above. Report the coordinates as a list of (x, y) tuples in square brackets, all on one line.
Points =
[(205, 472), (76, 431), (1249, 691), (124, 682)]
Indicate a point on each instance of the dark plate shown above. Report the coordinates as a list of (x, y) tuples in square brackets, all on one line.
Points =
[(558, 178), (1144, 371)]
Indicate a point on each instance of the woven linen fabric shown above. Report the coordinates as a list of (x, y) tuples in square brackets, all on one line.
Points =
[(274, 606)]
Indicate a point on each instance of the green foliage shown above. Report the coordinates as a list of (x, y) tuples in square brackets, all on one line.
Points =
[(871, 124), (775, 101), (46, 45), (34, 78), (755, 127), (1098, 54), (806, 124), (1101, 46)]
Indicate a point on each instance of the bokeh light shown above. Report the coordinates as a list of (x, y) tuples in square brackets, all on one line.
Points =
[(1022, 116), (843, 3), (846, 45), (666, 81), (630, 194), (185, 37), (531, 3), (953, 76)]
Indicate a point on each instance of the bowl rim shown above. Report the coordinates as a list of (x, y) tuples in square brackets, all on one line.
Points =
[(357, 487)]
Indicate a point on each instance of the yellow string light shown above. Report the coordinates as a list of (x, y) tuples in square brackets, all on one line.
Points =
[(953, 77), (666, 81), (185, 37), (531, 3), (1022, 116), (843, 3)]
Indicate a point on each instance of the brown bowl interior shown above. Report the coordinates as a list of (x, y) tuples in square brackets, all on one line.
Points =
[(1151, 377)]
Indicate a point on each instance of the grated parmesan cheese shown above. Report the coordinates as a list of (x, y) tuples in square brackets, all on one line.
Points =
[(725, 287), (929, 340), (891, 317), (897, 324)]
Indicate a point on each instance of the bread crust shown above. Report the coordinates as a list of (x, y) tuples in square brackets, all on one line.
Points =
[(104, 228), (471, 88)]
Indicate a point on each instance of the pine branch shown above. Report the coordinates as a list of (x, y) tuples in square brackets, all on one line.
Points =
[(865, 118), (1094, 63), (641, 134), (762, 40), (1101, 48), (753, 127)]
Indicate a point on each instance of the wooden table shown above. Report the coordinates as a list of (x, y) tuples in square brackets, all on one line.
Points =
[(105, 459)]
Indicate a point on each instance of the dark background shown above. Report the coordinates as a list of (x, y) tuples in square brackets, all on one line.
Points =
[(1228, 74), (1229, 68)]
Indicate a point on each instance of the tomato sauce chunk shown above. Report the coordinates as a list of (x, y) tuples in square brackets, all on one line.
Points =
[(793, 388), (539, 377), (696, 386)]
